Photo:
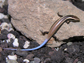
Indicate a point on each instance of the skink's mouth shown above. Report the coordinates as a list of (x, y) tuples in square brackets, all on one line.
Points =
[(72, 20)]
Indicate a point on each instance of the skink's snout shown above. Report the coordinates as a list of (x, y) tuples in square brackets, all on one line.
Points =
[(74, 18)]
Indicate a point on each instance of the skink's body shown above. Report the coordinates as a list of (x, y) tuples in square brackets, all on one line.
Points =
[(52, 31)]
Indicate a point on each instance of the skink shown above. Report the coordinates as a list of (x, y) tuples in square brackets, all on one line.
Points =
[(54, 28)]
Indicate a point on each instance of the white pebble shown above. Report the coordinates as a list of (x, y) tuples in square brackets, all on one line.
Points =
[(15, 43), (8, 40), (26, 60), (65, 49), (2, 3), (2, 16), (4, 25), (3, 41), (10, 61), (26, 45), (10, 35), (57, 49), (12, 57)]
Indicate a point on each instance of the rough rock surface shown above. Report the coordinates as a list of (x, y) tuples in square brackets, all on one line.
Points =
[(31, 16)]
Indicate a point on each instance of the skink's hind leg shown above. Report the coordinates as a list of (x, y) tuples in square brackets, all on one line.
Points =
[(55, 38), (43, 33)]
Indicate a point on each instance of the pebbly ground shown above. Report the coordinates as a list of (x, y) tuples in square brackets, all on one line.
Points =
[(70, 52)]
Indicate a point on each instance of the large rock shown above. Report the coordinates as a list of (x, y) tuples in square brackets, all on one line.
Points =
[(31, 16)]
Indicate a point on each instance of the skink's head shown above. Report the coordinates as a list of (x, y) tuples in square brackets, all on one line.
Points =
[(73, 18)]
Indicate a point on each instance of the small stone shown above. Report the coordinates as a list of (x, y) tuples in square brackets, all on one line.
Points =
[(57, 49), (4, 32), (76, 60), (47, 60), (4, 25), (20, 60), (15, 43), (3, 41), (21, 53), (36, 60), (3, 37), (10, 35), (26, 45), (79, 62), (0, 49), (30, 56), (12, 57), (69, 43), (65, 49), (2, 16), (2, 3), (10, 61), (68, 60), (8, 40), (26, 60)]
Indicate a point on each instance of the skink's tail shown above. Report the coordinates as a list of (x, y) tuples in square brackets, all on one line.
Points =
[(46, 40)]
